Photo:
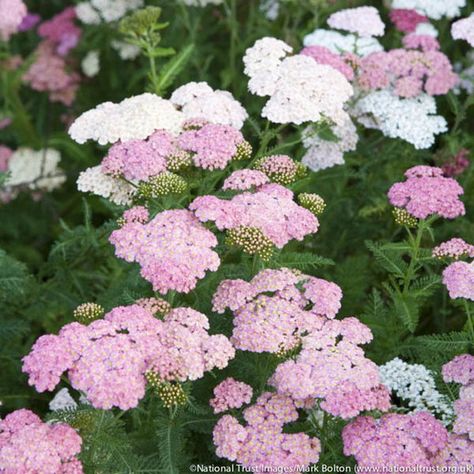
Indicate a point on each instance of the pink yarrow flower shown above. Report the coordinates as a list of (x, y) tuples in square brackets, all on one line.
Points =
[(427, 192), (410, 440), (271, 209), (229, 394), (459, 280), (454, 248), (108, 359), (173, 249), (423, 42), (262, 443), (243, 180), (406, 20), (12, 13), (27, 445)]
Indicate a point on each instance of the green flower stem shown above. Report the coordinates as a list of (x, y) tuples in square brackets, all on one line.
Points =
[(470, 321), (415, 242)]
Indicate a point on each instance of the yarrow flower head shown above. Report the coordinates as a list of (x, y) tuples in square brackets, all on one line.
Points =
[(230, 394), (415, 384), (457, 164), (280, 169), (12, 13), (297, 85), (427, 192), (212, 146), (459, 280), (454, 248), (108, 359), (323, 55), (246, 179), (313, 202), (364, 21), (29, 445), (271, 209), (432, 8), (464, 29), (262, 443), (403, 217), (161, 185), (385, 111), (173, 249), (88, 312), (61, 31), (457, 454), (406, 20), (395, 440), (135, 118), (461, 370), (199, 100), (282, 317)]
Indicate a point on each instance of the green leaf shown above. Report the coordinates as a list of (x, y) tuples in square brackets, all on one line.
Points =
[(407, 309), (14, 278), (389, 260), (172, 68), (302, 261)]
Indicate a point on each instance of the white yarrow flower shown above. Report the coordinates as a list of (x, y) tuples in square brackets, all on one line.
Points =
[(136, 117), (435, 9)]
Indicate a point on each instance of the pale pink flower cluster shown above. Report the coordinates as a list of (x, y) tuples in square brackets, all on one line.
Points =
[(464, 29), (270, 208), (459, 280), (364, 21), (212, 146), (50, 73), (406, 20), (230, 394), (460, 449), (27, 445), (261, 444), (454, 248), (12, 13), (136, 214), (409, 72), (174, 249), (395, 440), (107, 359), (458, 453), (242, 180), (140, 159), (61, 31), (423, 42), (427, 192), (331, 366)]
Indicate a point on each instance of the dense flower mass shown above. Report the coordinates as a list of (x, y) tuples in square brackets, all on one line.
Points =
[(243, 180), (199, 100), (432, 8), (459, 280), (12, 13), (271, 209), (297, 85), (261, 444), (454, 248), (427, 192), (174, 249), (27, 445), (411, 119), (415, 384), (363, 21), (108, 359), (323, 55), (464, 29), (230, 394), (135, 118), (280, 169), (410, 441), (458, 453), (461, 370)]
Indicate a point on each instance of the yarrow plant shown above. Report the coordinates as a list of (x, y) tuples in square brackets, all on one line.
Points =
[(271, 266)]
